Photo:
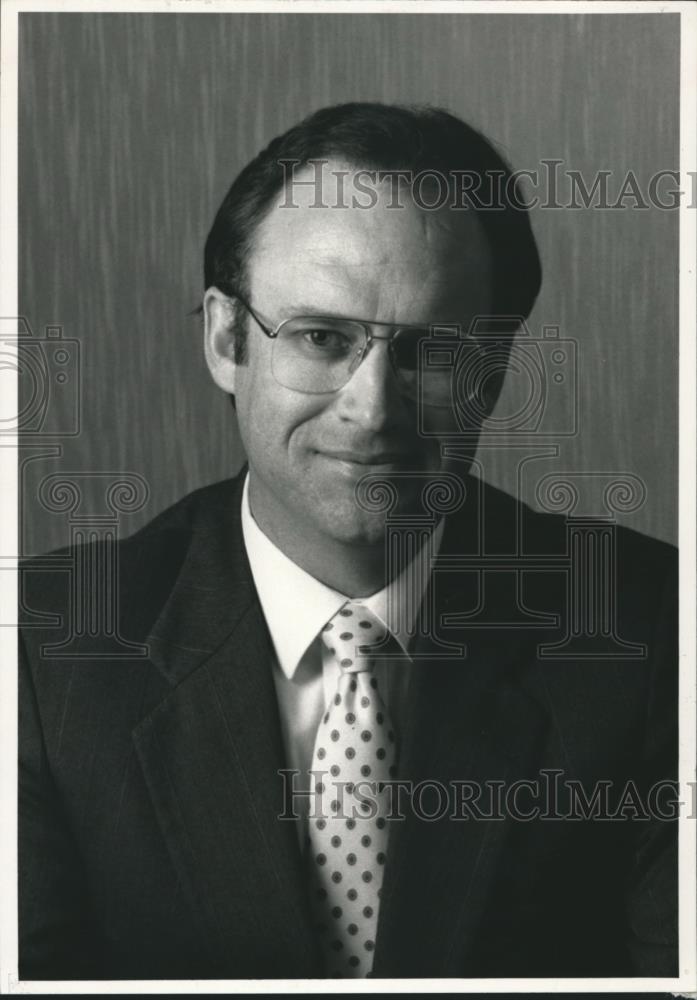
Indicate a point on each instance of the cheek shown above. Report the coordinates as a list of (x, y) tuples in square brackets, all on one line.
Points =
[(273, 421), (256, 411)]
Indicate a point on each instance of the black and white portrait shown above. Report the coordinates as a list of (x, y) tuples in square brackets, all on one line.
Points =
[(345, 418)]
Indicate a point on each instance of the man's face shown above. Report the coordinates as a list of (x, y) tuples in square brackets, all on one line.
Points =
[(307, 453)]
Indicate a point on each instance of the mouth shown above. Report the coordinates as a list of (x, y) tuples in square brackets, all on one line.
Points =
[(359, 461)]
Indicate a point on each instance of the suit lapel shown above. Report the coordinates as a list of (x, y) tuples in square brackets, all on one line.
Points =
[(211, 752), (469, 720)]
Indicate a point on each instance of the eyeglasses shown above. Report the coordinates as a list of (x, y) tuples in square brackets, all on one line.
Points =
[(320, 354)]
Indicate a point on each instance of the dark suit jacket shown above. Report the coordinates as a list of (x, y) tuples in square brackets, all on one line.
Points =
[(149, 840)]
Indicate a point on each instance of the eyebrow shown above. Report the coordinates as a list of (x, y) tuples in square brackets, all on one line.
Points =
[(303, 309), (300, 309)]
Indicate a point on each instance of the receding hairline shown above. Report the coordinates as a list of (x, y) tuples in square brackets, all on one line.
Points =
[(465, 217), (374, 136)]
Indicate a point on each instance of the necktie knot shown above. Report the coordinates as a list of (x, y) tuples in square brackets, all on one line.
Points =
[(355, 636)]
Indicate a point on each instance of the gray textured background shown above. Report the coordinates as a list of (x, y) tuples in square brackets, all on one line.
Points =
[(132, 127)]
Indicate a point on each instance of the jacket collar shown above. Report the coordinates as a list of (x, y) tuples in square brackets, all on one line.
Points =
[(213, 590), (211, 753)]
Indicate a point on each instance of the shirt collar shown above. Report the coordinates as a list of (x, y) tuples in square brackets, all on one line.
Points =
[(296, 605)]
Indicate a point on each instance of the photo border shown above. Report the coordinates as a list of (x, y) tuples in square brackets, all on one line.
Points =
[(687, 980)]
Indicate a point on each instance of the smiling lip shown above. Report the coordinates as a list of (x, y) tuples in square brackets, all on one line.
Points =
[(361, 458)]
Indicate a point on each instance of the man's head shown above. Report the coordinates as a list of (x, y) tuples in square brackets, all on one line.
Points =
[(286, 248)]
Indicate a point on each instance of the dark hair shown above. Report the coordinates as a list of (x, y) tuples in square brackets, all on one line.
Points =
[(381, 137)]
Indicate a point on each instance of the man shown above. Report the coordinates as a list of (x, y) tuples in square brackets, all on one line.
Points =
[(262, 795)]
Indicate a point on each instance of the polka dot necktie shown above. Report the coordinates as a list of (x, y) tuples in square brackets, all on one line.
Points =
[(347, 831)]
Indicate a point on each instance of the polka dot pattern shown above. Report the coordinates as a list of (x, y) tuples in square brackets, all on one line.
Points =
[(354, 754)]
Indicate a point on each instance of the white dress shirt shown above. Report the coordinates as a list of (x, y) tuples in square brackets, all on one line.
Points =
[(296, 607)]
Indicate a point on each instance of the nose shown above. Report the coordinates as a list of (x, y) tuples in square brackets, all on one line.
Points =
[(371, 397)]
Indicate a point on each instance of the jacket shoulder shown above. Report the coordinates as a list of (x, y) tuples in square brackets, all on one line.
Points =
[(548, 530), (642, 571), (143, 565)]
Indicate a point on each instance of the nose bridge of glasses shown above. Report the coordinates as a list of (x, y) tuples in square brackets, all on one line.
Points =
[(371, 337), (364, 348)]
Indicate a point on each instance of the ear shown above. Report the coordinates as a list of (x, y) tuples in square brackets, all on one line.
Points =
[(219, 338)]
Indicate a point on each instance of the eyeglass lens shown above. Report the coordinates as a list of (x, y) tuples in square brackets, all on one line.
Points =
[(316, 356)]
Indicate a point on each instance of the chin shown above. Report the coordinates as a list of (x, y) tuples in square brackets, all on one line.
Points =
[(347, 524), (367, 533)]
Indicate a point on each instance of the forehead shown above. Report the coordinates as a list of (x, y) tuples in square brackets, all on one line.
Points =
[(380, 251)]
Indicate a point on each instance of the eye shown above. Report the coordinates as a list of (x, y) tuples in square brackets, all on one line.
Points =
[(327, 340)]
